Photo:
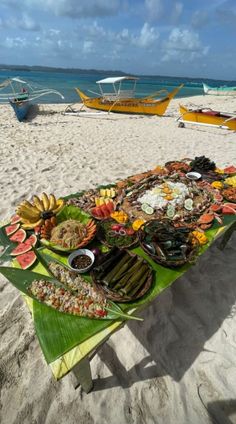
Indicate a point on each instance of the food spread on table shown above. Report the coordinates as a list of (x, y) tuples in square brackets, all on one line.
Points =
[(163, 212), (83, 304)]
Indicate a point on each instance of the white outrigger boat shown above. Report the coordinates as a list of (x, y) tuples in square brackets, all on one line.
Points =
[(219, 91), (23, 94)]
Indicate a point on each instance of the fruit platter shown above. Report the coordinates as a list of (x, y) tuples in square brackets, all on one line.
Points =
[(160, 217)]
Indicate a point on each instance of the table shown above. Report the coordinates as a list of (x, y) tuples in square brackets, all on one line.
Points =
[(77, 359)]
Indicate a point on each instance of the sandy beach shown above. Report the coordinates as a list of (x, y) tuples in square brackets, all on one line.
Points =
[(181, 361)]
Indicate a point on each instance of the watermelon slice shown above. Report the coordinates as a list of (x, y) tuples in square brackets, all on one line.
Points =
[(15, 219), (32, 240), (10, 229), (26, 260), (19, 236), (230, 170), (24, 247), (20, 249)]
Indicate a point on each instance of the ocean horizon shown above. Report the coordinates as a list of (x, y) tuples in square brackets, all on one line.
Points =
[(67, 81)]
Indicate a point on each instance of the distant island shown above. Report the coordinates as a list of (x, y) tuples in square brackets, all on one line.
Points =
[(28, 68), (62, 70)]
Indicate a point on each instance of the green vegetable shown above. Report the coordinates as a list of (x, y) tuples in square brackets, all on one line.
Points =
[(121, 270), (134, 280), (121, 282), (140, 284)]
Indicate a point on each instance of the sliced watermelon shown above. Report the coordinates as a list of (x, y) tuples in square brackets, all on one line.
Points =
[(227, 210), (24, 247), (15, 219), (110, 207), (19, 236), (230, 170), (11, 229), (31, 241), (26, 260), (97, 212), (20, 249)]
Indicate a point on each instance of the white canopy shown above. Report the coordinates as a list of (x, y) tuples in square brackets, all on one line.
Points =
[(112, 80)]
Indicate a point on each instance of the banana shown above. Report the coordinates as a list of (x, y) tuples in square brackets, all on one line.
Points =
[(45, 201), (52, 202), (29, 226), (27, 203), (38, 203), (28, 213), (60, 204), (28, 207), (25, 214)]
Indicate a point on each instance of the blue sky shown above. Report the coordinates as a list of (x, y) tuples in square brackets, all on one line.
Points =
[(193, 38)]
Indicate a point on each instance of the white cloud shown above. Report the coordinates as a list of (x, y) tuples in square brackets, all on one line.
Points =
[(155, 8), (70, 8), (176, 11), (24, 22), (183, 45), (53, 31), (87, 46), (28, 23), (166, 10), (148, 35), (12, 42)]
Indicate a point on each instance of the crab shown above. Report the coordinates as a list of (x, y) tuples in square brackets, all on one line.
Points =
[(206, 220)]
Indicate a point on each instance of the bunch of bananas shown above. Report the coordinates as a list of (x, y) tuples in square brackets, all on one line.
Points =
[(34, 214)]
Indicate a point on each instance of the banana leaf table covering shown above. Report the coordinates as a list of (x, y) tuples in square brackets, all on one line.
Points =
[(66, 340)]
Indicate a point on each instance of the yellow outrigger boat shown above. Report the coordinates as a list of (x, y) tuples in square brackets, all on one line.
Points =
[(207, 117), (123, 101)]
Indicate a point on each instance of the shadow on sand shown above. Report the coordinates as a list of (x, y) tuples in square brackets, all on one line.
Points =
[(35, 110), (179, 322)]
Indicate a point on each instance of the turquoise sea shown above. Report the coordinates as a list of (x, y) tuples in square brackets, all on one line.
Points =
[(65, 82)]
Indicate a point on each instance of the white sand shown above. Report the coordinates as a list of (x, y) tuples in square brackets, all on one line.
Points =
[(148, 372)]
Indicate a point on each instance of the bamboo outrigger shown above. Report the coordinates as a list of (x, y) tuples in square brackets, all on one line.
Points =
[(22, 95), (207, 117), (123, 100)]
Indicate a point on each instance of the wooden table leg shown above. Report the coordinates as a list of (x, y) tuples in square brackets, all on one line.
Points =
[(82, 372), (227, 235)]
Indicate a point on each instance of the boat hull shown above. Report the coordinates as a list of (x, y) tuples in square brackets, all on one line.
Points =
[(219, 91), (145, 106), (21, 108), (210, 118)]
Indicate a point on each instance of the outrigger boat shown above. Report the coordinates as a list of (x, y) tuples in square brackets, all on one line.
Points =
[(23, 95), (219, 91), (207, 117), (122, 100)]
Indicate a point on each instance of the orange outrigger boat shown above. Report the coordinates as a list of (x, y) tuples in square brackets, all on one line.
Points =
[(207, 117), (123, 100)]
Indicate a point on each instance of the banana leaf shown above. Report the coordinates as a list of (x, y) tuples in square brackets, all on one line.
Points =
[(6, 244), (58, 333), (73, 212), (22, 279)]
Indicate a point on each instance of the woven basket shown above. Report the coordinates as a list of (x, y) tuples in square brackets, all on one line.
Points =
[(117, 297), (190, 258), (102, 238)]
